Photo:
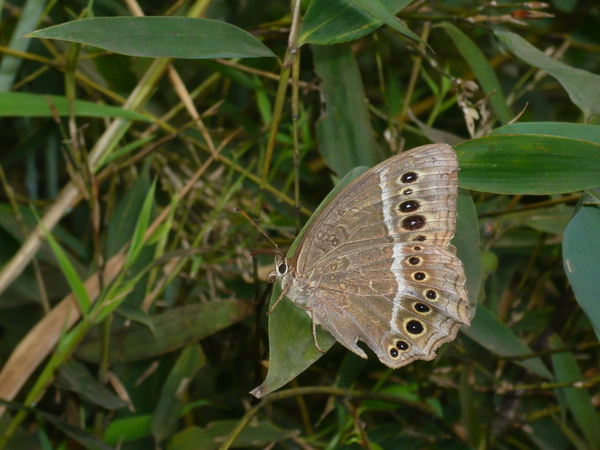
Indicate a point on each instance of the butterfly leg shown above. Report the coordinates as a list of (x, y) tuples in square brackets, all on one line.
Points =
[(283, 292), (314, 333)]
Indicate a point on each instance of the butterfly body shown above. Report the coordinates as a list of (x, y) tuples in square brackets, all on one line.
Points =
[(376, 264)]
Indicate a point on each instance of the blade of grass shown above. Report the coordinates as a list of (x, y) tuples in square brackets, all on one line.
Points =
[(138, 240), (77, 286)]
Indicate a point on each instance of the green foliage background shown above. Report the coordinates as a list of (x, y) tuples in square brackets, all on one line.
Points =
[(131, 312)]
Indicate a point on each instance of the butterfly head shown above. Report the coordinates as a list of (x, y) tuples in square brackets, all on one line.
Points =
[(281, 268)]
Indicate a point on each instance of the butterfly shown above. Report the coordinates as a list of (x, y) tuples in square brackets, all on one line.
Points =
[(376, 265)]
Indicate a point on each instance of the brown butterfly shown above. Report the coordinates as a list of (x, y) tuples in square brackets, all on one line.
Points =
[(376, 264)]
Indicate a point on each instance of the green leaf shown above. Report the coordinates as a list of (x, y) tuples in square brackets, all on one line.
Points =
[(344, 130), (468, 405), (128, 429), (410, 393), (75, 433), (173, 330), (170, 402), (528, 164), (75, 377), (495, 336), (29, 16), (482, 69), (256, 434), (122, 226), (546, 435), (77, 286), (467, 246), (549, 220), (141, 225), (21, 104), (160, 37), (560, 129), (337, 21), (581, 253), (582, 86), (578, 400)]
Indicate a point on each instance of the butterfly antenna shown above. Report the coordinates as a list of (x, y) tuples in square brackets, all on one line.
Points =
[(259, 229)]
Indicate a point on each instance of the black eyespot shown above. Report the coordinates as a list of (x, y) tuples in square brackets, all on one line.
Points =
[(401, 345), (431, 294), (420, 239), (394, 353), (282, 268), (419, 276), (409, 206), (407, 191), (414, 327), (417, 248), (409, 177), (413, 260), (422, 307), (412, 223)]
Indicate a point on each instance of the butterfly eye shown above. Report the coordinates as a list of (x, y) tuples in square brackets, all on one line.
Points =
[(282, 268)]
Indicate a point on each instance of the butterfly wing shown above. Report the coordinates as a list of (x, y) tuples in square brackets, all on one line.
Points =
[(409, 197), (376, 265), (402, 308)]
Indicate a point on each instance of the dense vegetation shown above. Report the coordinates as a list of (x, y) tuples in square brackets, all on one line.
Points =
[(133, 297)]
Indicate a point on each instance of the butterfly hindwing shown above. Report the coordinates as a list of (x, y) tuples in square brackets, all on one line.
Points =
[(404, 309)]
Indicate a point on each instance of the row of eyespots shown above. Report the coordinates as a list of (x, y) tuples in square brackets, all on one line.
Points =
[(416, 221), (420, 276), (412, 223), (414, 326)]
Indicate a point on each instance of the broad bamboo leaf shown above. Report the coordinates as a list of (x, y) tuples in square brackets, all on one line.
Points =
[(171, 330), (495, 336), (582, 86), (578, 131), (344, 129), (528, 164), (259, 434), (160, 37), (336, 21), (22, 104), (170, 402), (581, 259)]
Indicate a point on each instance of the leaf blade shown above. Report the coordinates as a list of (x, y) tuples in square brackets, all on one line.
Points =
[(160, 37), (528, 164), (335, 21), (582, 86), (581, 248)]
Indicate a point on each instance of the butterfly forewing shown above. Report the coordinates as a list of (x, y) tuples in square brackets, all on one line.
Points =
[(411, 196)]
